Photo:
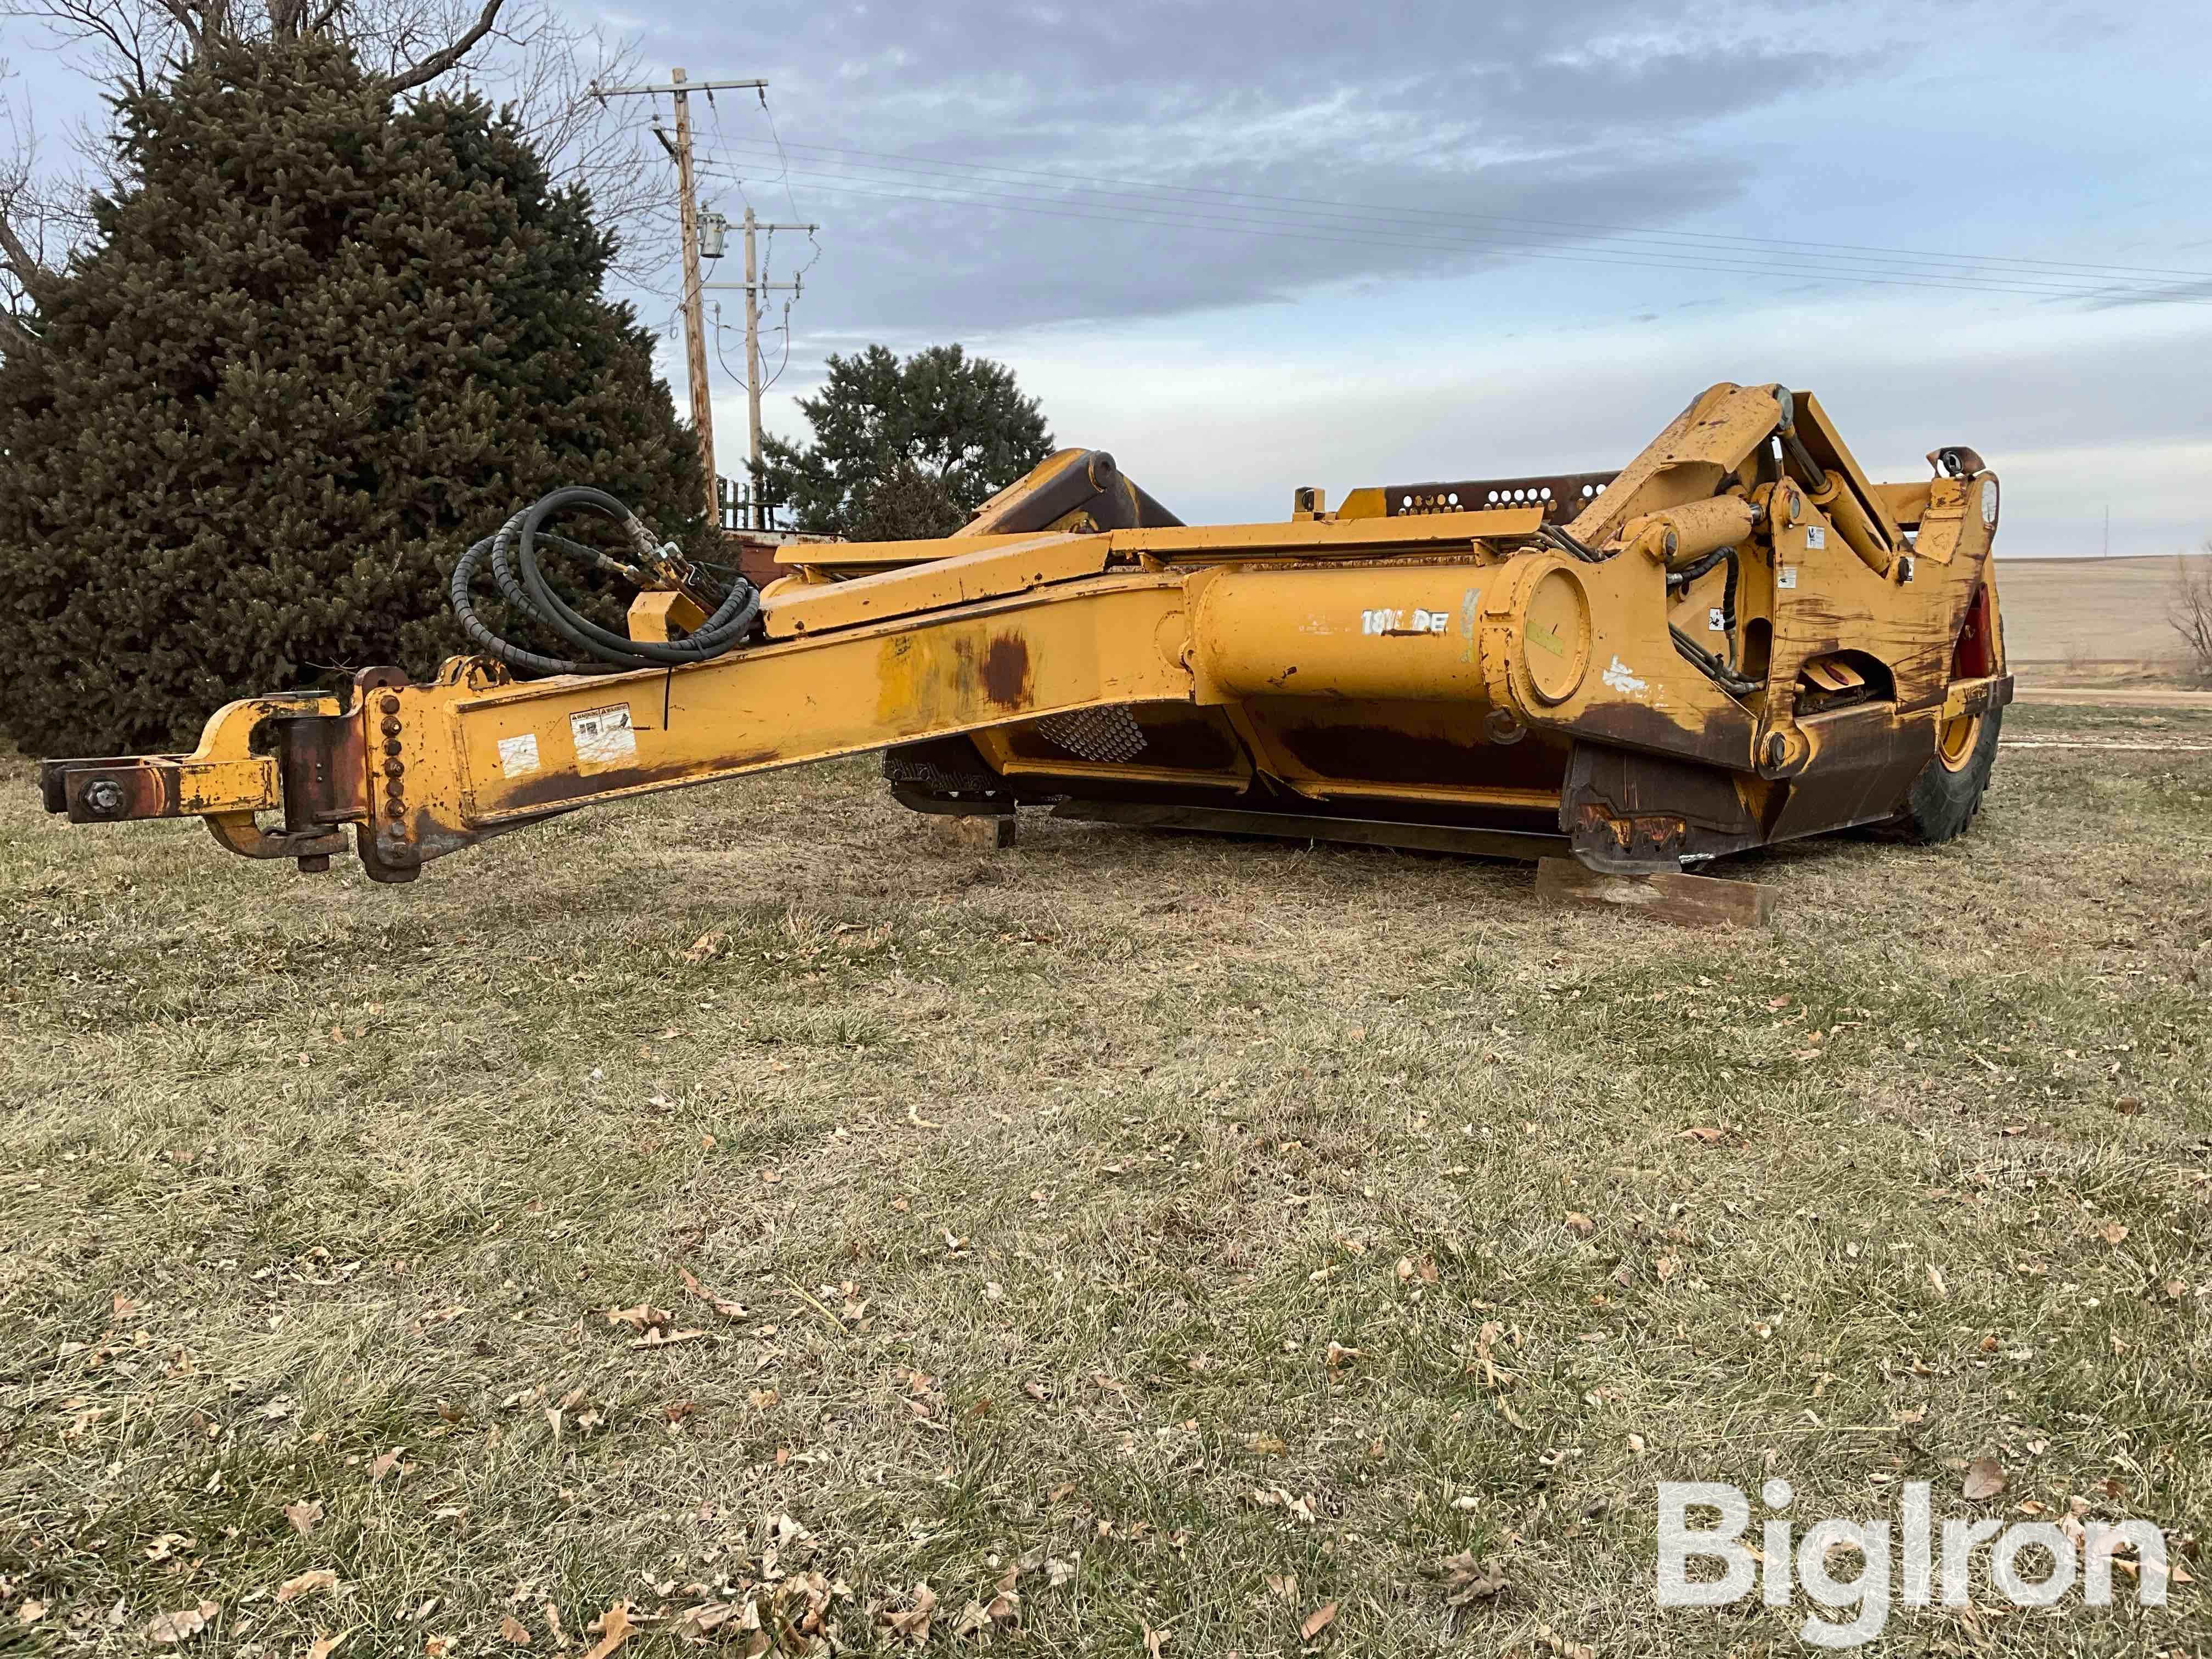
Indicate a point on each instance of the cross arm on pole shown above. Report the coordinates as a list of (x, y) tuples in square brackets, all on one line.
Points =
[(674, 86)]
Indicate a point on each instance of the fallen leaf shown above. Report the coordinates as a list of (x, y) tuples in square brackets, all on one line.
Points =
[(1580, 1224), (437, 1647), (973, 1620), (1285, 1584), (325, 1646), (660, 1339), (2129, 1106), (30, 1613), (515, 1630), (304, 1515), (1317, 1621), (763, 1398), (721, 1304), (707, 1620), (1155, 1639), (641, 1318), (913, 1625), (2112, 1233), (613, 1628), (1667, 1267), (321, 1578), (381, 1467), (1470, 1580), (1985, 1479), (169, 1629), (1704, 1134)]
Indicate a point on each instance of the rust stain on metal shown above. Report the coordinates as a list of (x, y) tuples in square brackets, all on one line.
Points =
[(1006, 670)]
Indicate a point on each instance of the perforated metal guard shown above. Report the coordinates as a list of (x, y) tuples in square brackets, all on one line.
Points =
[(1096, 734)]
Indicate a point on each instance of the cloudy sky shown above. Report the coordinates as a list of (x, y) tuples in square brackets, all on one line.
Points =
[(1253, 244), (1258, 243)]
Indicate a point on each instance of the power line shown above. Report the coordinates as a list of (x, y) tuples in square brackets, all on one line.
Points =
[(1191, 216), (780, 153)]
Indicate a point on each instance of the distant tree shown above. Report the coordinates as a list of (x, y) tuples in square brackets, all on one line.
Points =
[(317, 344), (906, 504), (921, 443), (2191, 611)]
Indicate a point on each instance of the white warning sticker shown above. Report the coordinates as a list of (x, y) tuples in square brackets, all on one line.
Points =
[(604, 738), (1786, 576), (1815, 538), (518, 757), (1716, 620)]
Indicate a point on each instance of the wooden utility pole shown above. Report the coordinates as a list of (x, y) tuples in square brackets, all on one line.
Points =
[(694, 327), (695, 330), (753, 373), (754, 289)]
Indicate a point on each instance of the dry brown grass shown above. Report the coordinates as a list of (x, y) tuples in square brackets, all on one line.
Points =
[(1155, 1218)]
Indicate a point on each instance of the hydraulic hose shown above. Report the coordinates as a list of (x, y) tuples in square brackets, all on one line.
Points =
[(522, 584)]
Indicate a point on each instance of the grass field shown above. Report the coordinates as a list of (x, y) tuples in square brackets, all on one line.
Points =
[(2087, 621), (1147, 1243)]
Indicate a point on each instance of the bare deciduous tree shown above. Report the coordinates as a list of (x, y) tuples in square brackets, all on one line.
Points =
[(35, 221), (520, 53), (2191, 614)]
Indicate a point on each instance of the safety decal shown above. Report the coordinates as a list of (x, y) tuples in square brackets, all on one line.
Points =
[(603, 736), (1785, 575), (1815, 538), (518, 757)]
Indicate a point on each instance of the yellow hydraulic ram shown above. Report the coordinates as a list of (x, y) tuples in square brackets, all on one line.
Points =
[(1736, 639)]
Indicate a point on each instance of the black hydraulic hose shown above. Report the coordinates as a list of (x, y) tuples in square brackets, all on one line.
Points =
[(1679, 580), (530, 594), (1711, 667), (1560, 541)]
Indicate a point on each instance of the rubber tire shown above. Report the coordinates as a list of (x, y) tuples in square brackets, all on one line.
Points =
[(1942, 803)]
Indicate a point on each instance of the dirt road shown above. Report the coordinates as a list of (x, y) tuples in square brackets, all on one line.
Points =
[(2113, 696)]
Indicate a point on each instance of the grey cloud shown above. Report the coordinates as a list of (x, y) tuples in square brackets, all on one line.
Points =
[(1529, 110)]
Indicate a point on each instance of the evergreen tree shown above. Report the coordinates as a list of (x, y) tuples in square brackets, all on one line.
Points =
[(320, 342), (918, 443)]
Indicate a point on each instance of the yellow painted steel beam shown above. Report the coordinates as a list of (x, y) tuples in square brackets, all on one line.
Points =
[(469, 755)]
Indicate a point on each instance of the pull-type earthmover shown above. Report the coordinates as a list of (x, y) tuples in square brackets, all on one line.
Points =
[(1735, 640)]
